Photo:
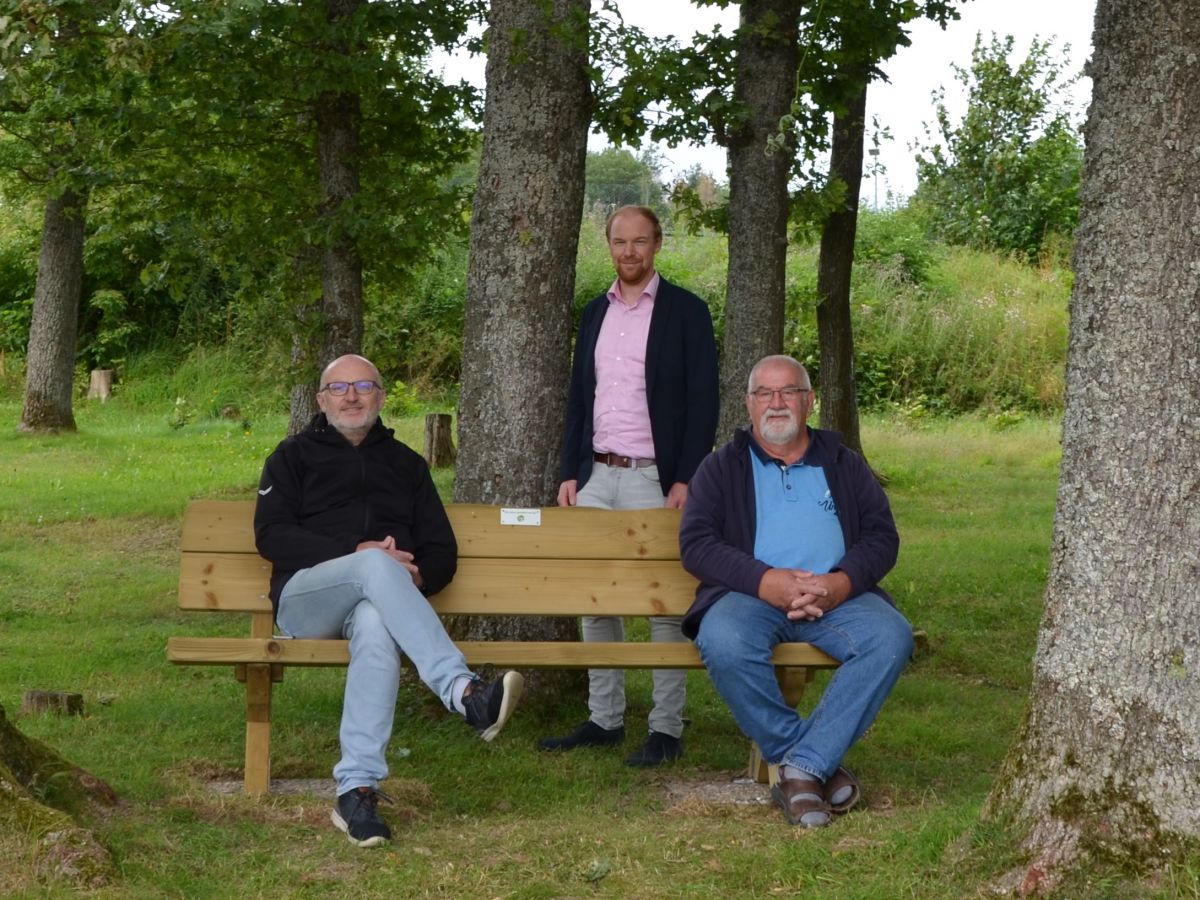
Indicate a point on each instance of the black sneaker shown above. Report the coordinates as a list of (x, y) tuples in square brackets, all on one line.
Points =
[(589, 734), (489, 706), (658, 749), (354, 813)]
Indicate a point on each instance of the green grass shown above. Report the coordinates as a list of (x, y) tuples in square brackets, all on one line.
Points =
[(88, 566)]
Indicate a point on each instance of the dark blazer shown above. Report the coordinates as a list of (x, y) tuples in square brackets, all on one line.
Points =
[(681, 386)]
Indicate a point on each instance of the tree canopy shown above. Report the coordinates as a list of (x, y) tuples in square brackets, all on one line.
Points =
[(1007, 175)]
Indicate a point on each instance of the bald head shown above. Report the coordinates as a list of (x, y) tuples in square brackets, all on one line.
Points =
[(350, 361), (353, 412)]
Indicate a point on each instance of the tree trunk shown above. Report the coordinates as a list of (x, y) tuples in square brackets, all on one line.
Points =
[(765, 82), (338, 116), (1107, 764), (839, 404), (39, 792), (50, 361), (439, 441), (521, 273)]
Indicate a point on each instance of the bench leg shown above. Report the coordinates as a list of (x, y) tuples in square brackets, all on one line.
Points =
[(258, 729), (792, 682)]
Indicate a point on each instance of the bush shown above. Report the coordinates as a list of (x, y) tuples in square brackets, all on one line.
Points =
[(1007, 176), (415, 330), (986, 333), (896, 241)]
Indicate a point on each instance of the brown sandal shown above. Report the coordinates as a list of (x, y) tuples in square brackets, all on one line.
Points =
[(802, 801), (842, 791)]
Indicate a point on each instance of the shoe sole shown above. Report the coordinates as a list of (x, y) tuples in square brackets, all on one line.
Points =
[(844, 778), (641, 763), (514, 684), (341, 826), (565, 744)]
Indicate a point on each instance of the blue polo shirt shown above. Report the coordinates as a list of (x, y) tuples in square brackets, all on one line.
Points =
[(797, 523)]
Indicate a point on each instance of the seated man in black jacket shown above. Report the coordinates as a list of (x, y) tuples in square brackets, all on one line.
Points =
[(357, 537)]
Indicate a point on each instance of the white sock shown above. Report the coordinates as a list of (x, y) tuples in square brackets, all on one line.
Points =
[(457, 691), (789, 772)]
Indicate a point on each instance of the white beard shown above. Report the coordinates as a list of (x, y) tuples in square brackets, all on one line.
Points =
[(777, 429)]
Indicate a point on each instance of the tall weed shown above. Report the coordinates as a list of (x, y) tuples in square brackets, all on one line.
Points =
[(983, 332)]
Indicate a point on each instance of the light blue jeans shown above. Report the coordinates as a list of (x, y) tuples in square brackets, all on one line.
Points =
[(370, 599), (611, 487), (870, 638)]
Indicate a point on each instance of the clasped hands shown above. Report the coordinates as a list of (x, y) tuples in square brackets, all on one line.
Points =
[(388, 546), (802, 594)]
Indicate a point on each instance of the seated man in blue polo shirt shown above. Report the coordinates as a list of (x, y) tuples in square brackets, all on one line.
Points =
[(789, 534)]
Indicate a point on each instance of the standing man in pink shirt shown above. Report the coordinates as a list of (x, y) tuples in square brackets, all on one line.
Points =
[(641, 415)]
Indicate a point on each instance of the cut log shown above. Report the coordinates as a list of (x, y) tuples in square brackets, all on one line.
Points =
[(35, 702)]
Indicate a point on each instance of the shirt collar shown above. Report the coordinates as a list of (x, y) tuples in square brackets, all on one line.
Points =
[(764, 457), (650, 292)]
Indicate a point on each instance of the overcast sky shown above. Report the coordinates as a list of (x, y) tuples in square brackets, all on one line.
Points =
[(904, 104)]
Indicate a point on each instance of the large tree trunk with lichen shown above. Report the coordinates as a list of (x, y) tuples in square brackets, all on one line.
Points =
[(41, 797), (521, 273), (338, 116), (835, 331), (764, 84), (50, 359), (1108, 759)]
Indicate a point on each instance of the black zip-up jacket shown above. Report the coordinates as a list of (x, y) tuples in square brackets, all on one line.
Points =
[(320, 496)]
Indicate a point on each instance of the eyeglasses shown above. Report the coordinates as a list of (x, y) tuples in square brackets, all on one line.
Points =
[(340, 388), (765, 395)]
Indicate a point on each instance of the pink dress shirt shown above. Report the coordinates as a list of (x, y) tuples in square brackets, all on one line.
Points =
[(622, 417)]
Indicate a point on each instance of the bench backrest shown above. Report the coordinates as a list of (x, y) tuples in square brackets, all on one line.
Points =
[(577, 561)]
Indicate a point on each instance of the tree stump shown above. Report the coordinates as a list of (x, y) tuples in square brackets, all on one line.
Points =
[(63, 702), (439, 442), (100, 387)]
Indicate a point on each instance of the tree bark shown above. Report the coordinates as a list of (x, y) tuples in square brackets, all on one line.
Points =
[(1107, 763), (50, 360), (765, 82), (338, 116), (835, 332), (439, 442), (34, 782), (521, 271)]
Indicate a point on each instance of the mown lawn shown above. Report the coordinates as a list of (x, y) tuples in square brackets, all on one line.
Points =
[(88, 555)]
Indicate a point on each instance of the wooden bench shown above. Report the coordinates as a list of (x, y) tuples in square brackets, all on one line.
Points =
[(574, 562)]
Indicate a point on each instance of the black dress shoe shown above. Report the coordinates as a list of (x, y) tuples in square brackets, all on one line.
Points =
[(589, 734), (658, 749)]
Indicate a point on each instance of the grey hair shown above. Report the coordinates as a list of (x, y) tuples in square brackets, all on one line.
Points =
[(779, 358)]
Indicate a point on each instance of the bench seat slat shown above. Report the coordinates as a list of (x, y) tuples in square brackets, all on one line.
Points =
[(531, 654)]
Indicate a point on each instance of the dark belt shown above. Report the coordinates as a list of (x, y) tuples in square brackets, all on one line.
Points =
[(622, 462)]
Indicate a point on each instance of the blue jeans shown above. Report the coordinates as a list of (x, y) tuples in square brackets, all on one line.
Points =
[(870, 638), (370, 599)]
